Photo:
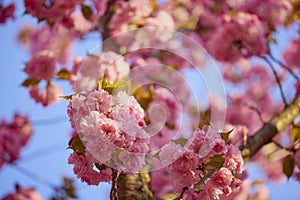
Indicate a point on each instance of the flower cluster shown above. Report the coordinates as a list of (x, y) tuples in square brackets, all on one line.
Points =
[(239, 36), (53, 11), (13, 136), (83, 168), (206, 165), (7, 12), (49, 47), (111, 128), (129, 15), (108, 64)]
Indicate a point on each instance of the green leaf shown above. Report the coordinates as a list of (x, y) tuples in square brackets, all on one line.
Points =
[(296, 10), (31, 82), (77, 145), (86, 11), (156, 155), (181, 141), (144, 95), (170, 126), (216, 161), (170, 196), (69, 188), (288, 165), (225, 135), (206, 120), (295, 132), (111, 87), (64, 74)]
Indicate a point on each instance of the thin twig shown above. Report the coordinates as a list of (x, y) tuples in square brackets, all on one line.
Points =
[(49, 121), (281, 64), (255, 110), (43, 152), (34, 176), (182, 193), (277, 80)]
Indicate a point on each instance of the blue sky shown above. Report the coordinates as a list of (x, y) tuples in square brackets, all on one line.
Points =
[(53, 138)]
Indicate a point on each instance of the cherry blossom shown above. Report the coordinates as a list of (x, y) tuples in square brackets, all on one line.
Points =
[(51, 95), (7, 12), (93, 68), (83, 168), (242, 35), (52, 11), (291, 55), (13, 137), (102, 120)]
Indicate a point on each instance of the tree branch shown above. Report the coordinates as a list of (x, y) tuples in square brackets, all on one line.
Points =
[(277, 124), (136, 186)]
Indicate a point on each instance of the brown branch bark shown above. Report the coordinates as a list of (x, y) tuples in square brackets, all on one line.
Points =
[(135, 187), (277, 124)]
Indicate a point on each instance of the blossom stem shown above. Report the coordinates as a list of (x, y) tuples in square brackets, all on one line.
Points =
[(281, 64), (277, 80), (34, 176), (277, 124)]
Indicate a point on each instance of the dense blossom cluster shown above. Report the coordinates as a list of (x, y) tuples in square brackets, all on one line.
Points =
[(52, 11), (244, 36), (13, 137), (102, 120), (191, 167)]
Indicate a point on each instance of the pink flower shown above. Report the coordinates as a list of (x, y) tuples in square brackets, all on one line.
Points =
[(102, 121), (83, 168), (162, 20), (162, 138), (128, 12), (127, 109), (241, 36), (100, 7), (13, 137), (170, 153), (93, 68), (41, 66), (52, 94), (271, 12), (54, 41), (100, 101), (161, 181), (56, 11), (234, 160), (7, 12), (132, 162), (169, 102), (80, 23), (236, 137), (291, 55), (222, 178)]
